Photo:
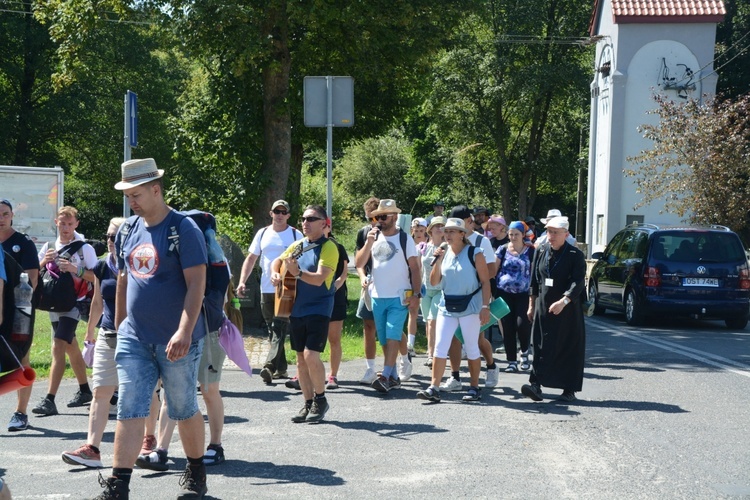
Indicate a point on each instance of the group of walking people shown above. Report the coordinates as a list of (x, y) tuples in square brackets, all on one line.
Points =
[(153, 338)]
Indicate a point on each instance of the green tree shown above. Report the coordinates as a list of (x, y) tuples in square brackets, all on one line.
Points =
[(513, 75), (699, 164), (380, 166)]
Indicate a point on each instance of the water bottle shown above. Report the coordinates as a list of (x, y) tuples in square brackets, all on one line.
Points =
[(22, 319)]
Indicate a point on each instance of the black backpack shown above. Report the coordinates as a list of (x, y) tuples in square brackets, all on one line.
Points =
[(57, 291), (217, 270), (12, 350)]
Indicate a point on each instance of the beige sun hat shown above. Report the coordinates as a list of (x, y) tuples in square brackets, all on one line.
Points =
[(137, 172), (456, 223), (439, 219), (386, 207)]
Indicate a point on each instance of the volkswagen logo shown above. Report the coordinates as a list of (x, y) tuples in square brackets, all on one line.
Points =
[(701, 270)]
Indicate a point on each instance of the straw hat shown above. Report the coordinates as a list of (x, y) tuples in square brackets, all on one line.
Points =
[(137, 172)]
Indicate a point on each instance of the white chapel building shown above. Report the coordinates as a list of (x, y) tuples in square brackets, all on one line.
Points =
[(643, 47)]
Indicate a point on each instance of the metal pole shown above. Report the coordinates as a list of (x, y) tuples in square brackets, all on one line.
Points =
[(329, 146), (126, 153)]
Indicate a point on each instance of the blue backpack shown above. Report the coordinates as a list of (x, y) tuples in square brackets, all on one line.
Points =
[(217, 270)]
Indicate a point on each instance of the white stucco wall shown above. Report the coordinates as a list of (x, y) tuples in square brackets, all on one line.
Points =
[(639, 54)]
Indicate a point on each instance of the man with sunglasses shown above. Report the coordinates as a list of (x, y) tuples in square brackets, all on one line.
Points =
[(364, 310), (396, 285), (268, 244), (22, 249), (311, 313)]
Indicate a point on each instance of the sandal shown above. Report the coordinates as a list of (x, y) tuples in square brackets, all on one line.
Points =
[(525, 363), (512, 367)]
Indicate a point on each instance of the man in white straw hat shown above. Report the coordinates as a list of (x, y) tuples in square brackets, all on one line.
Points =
[(160, 325), (550, 215), (396, 285)]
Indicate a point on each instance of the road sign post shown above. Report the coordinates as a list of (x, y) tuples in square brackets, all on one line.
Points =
[(130, 135), (329, 102)]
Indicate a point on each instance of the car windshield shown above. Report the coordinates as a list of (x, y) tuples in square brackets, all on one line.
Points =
[(698, 246)]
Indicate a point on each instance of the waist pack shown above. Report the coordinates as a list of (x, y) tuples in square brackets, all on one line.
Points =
[(57, 290), (459, 303)]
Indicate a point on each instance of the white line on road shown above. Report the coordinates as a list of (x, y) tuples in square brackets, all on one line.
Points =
[(702, 356)]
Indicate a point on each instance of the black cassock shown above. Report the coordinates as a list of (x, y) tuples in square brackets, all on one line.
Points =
[(559, 340)]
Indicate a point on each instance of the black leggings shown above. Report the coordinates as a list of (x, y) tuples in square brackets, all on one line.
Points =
[(516, 324)]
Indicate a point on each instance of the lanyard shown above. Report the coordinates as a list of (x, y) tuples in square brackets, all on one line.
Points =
[(557, 261)]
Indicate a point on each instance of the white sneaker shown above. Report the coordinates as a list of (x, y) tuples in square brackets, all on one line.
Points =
[(411, 350), (406, 369), (451, 385), (369, 377), (492, 377)]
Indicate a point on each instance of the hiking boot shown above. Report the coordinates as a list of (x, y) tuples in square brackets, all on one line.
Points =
[(381, 384), (332, 382), (114, 489), (80, 399), (85, 455), (193, 483), (18, 422), (532, 391), (278, 375), (317, 410), (492, 377), (214, 455), (293, 383), (451, 385), (267, 375), (149, 444), (155, 460), (432, 393), (301, 416), (568, 396), (45, 407), (473, 394), (369, 377)]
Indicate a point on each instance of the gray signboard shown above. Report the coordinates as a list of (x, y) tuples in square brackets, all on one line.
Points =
[(316, 94)]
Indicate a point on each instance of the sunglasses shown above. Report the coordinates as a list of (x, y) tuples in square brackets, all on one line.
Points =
[(310, 219), (279, 212), (111, 237), (381, 217)]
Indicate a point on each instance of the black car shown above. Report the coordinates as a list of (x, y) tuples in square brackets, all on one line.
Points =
[(694, 271)]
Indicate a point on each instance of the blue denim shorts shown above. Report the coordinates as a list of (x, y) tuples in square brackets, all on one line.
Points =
[(390, 315), (140, 365)]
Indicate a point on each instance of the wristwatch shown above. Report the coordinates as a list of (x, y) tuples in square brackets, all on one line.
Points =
[(485, 306), (566, 300)]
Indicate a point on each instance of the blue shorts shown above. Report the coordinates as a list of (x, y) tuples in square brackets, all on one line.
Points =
[(390, 316), (140, 365)]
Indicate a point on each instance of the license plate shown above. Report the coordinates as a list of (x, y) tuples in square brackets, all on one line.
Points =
[(700, 282)]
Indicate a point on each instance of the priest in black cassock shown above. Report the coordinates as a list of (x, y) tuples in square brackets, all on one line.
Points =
[(558, 274)]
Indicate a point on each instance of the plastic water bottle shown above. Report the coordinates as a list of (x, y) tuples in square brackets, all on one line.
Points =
[(22, 318)]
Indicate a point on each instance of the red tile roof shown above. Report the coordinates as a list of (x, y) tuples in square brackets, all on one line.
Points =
[(660, 11)]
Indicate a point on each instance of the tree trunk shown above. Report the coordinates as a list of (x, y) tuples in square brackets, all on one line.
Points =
[(277, 122)]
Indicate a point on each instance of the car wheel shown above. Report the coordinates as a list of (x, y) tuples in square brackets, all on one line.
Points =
[(633, 309), (594, 298), (736, 323)]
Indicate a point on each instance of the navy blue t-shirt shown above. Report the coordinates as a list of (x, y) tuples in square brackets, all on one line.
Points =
[(156, 284)]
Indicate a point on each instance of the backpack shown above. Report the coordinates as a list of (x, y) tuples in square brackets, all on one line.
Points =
[(12, 350), (58, 291), (217, 270)]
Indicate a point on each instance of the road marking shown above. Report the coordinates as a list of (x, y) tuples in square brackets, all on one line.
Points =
[(704, 357)]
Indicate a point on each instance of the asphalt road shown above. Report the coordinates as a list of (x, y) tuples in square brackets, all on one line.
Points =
[(664, 413)]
